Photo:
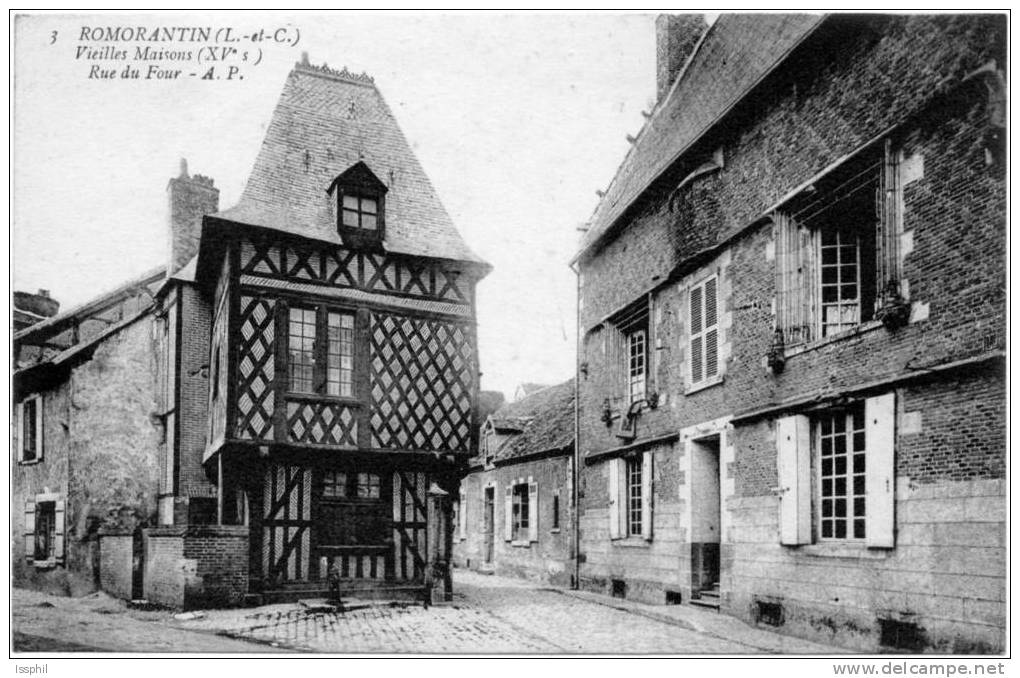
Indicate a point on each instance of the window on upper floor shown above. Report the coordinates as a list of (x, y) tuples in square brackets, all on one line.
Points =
[(837, 250), (30, 429), (836, 474), (320, 351), (703, 342), (627, 353), (360, 206)]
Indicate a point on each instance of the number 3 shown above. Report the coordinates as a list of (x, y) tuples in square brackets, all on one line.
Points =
[(53, 37)]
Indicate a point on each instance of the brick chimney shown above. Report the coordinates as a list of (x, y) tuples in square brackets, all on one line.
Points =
[(675, 38), (191, 197)]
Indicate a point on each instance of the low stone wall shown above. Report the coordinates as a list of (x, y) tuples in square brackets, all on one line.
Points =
[(116, 563), (198, 566)]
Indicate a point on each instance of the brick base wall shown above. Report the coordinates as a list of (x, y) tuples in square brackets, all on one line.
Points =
[(198, 566), (116, 561)]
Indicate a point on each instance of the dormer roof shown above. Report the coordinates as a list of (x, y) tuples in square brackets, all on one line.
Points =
[(325, 123)]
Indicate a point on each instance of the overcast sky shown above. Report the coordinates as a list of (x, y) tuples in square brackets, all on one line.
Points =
[(517, 120)]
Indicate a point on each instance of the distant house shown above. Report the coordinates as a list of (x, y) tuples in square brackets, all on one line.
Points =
[(526, 389), (514, 515)]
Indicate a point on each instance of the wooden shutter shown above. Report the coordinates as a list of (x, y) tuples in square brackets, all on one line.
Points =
[(532, 510), (697, 325), (614, 499), (19, 446), (646, 496), (793, 443), (711, 327), (39, 428), (704, 333), (58, 530), (508, 517), (30, 529), (880, 485)]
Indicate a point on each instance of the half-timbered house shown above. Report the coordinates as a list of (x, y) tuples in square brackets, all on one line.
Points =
[(314, 364)]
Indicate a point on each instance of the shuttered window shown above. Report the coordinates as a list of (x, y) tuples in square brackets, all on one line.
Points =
[(630, 497), (521, 524), (30, 429), (44, 529), (853, 461), (704, 331), (837, 248), (626, 347)]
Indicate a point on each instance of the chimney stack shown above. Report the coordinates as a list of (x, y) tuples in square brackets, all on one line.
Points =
[(191, 198), (676, 35)]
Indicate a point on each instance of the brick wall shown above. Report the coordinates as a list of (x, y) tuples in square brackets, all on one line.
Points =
[(549, 558), (197, 566), (851, 82), (196, 319), (116, 563)]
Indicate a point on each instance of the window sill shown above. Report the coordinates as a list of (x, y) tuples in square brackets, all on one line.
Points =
[(632, 542), (555, 530), (318, 398), (857, 550), (708, 383), (521, 544), (29, 462), (48, 564), (863, 328)]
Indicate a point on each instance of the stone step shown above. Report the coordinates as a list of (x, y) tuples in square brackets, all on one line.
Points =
[(708, 603)]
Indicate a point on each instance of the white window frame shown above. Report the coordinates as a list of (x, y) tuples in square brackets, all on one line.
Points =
[(637, 365), (703, 333), (850, 475), (620, 524), (798, 448), (39, 447), (512, 527)]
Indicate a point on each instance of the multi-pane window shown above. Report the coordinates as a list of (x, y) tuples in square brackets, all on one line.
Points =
[(321, 352), (837, 247), (520, 517), (368, 486), (704, 330), (340, 354), (359, 212), (626, 349), (840, 285), (334, 485), (841, 445), (637, 365), (634, 498), (301, 344), (30, 431)]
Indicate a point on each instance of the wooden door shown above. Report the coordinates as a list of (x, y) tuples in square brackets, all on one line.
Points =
[(410, 525), (286, 523), (490, 523)]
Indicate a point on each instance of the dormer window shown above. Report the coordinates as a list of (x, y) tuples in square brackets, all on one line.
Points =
[(360, 207), (359, 212)]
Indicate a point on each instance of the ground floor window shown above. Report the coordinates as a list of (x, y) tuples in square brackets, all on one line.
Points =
[(351, 509), (634, 497), (520, 512), (45, 530)]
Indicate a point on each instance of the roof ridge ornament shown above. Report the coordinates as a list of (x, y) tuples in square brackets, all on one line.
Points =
[(341, 74)]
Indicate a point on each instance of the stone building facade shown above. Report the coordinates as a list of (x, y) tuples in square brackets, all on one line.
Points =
[(514, 515), (792, 303)]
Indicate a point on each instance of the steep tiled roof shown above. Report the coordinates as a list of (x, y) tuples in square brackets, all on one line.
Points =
[(325, 122), (547, 417), (737, 51)]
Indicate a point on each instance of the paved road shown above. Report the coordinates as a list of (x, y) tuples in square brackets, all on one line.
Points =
[(490, 615)]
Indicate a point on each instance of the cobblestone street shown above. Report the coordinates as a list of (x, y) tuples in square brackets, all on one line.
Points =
[(489, 615)]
